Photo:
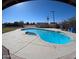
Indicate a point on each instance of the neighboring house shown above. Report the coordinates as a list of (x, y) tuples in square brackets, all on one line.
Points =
[(42, 25), (46, 25)]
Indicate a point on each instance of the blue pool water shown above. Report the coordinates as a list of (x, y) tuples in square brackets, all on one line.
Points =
[(50, 36)]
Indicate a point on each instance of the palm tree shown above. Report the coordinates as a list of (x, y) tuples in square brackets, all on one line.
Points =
[(48, 20)]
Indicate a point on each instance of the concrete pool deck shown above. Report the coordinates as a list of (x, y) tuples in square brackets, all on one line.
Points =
[(27, 46)]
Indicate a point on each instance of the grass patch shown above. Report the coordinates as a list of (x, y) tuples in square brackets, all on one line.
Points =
[(7, 29)]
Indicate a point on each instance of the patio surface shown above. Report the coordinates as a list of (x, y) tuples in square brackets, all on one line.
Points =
[(27, 46)]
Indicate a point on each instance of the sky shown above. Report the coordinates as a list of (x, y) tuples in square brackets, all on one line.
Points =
[(38, 11)]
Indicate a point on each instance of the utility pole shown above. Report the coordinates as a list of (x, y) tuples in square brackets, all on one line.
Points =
[(53, 12)]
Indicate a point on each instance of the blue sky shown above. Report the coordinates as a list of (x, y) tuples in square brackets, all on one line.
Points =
[(37, 11)]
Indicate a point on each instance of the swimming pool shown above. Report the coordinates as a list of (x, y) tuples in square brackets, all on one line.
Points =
[(50, 36)]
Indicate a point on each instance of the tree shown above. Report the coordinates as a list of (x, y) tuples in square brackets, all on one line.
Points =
[(69, 23), (16, 24), (27, 23), (21, 23)]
